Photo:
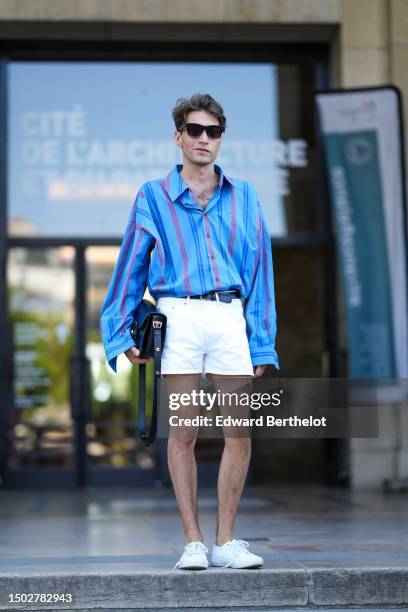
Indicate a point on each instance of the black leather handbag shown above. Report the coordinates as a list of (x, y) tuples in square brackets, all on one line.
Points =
[(148, 330)]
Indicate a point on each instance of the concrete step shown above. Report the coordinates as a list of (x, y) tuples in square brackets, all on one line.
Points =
[(212, 589), (233, 609)]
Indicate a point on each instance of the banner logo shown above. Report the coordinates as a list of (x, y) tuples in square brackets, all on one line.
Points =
[(359, 151)]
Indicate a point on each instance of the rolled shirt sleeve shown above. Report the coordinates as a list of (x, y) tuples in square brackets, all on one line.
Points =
[(128, 282), (260, 312)]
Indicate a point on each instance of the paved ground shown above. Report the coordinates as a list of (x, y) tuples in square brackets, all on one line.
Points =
[(302, 531), (107, 528)]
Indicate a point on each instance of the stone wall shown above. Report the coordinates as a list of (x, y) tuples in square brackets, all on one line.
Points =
[(213, 11)]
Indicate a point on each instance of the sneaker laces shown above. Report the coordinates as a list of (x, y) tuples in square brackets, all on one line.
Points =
[(191, 549), (237, 546)]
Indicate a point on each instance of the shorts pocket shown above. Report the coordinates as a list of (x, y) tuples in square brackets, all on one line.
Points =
[(172, 311), (236, 308), (233, 318)]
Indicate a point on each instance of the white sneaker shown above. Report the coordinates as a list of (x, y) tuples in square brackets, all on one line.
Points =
[(234, 554), (193, 557)]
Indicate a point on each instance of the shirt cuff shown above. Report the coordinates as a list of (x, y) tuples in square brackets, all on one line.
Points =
[(264, 356), (113, 353)]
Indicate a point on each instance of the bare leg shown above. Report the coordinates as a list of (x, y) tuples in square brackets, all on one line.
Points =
[(234, 461), (181, 457)]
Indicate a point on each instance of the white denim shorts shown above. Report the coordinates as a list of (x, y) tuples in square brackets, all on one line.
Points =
[(205, 336)]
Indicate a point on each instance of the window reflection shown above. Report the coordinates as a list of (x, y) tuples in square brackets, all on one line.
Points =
[(41, 294), (70, 167), (112, 438)]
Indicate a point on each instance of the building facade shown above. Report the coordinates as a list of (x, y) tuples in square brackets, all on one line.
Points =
[(86, 95)]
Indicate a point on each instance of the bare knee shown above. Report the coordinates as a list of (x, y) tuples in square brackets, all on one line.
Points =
[(182, 443), (239, 446)]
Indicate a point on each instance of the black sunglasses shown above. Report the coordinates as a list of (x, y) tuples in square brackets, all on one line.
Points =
[(195, 130)]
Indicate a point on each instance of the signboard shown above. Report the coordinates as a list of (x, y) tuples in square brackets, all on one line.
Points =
[(362, 142), (91, 133)]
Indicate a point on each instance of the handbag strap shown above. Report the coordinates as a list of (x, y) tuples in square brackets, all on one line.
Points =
[(148, 438)]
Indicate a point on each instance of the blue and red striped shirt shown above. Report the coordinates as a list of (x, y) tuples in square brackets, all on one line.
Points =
[(175, 247)]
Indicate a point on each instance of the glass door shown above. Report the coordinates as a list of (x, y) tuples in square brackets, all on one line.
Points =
[(40, 447), (114, 452), (71, 421)]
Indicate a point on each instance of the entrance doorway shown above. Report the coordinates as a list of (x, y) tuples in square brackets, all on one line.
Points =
[(67, 419), (70, 419)]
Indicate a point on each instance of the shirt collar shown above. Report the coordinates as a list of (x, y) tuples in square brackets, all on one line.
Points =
[(175, 185)]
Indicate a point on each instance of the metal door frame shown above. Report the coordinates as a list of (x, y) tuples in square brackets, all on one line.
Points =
[(81, 474)]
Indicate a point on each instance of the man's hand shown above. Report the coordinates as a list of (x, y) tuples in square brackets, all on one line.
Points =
[(259, 370), (133, 355)]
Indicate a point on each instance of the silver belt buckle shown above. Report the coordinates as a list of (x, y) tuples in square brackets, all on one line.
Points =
[(224, 297), (157, 324)]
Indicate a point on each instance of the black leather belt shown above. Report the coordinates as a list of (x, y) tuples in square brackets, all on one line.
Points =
[(223, 296)]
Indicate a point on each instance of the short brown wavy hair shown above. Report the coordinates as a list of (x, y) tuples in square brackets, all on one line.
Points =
[(197, 102)]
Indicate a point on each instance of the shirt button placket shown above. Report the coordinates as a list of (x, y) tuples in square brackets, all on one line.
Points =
[(211, 255)]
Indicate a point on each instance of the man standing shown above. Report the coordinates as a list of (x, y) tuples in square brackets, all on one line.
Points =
[(199, 240)]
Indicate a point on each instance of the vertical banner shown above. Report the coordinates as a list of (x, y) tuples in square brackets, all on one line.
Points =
[(363, 149)]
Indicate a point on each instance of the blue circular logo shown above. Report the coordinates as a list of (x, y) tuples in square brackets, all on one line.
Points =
[(359, 151)]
